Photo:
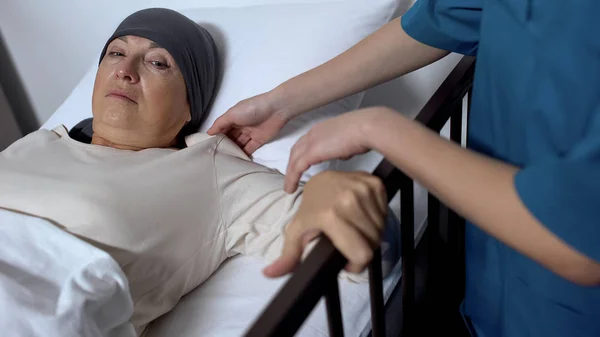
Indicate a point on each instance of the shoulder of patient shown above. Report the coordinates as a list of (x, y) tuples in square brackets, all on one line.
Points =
[(220, 143), (44, 135)]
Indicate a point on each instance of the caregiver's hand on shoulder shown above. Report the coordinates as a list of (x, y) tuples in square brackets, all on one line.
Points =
[(341, 137), (251, 123), (348, 207)]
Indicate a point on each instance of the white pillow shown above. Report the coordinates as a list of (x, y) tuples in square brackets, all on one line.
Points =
[(264, 46)]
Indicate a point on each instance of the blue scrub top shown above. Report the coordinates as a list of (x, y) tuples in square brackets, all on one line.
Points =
[(536, 105)]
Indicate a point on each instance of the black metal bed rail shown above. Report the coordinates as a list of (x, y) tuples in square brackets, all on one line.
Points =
[(316, 276)]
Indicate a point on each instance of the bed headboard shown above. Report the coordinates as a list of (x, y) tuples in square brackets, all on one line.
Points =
[(316, 277)]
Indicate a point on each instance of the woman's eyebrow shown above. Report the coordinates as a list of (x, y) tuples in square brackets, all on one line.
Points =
[(152, 43)]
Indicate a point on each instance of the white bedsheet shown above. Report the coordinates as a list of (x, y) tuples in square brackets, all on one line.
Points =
[(228, 303), (55, 285)]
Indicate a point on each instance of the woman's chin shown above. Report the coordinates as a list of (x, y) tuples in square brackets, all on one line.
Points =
[(114, 128), (118, 118)]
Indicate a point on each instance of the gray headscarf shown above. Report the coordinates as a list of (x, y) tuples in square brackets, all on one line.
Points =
[(193, 49)]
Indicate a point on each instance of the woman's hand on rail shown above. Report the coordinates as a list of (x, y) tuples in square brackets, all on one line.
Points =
[(251, 123), (337, 138), (348, 207)]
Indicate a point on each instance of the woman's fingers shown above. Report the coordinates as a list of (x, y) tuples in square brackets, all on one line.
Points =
[(296, 239), (378, 202), (349, 207), (289, 258), (351, 243), (356, 213)]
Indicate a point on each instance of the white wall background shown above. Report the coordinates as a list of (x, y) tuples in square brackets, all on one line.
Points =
[(53, 43)]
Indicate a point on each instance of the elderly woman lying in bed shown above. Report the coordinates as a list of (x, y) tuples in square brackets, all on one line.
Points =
[(169, 204)]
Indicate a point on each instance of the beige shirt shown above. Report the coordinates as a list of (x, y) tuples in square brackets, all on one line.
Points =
[(168, 217)]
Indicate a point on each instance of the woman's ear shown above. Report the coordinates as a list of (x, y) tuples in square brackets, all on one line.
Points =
[(189, 113)]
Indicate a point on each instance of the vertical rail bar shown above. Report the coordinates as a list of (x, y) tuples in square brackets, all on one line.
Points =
[(334, 311), (456, 122), (407, 242), (434, 278), (469, 97), (433, 232), (376, 294), (455, 226)]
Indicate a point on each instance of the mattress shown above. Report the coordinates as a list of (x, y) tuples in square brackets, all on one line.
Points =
[(229, 302)]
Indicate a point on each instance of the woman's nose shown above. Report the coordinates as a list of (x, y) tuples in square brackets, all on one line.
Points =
[(126, 71)]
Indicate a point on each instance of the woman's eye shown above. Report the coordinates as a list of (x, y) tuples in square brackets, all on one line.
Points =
[(159, 64), (115, 53)]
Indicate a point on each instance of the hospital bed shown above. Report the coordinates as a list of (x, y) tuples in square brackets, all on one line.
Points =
[(423, 284)]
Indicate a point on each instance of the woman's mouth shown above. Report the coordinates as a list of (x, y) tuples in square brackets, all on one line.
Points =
[(120, 94)]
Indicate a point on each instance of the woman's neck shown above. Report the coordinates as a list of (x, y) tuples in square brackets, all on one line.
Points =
[(97, 140)]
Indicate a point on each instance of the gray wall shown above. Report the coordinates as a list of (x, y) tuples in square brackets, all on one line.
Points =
[(9, 130)]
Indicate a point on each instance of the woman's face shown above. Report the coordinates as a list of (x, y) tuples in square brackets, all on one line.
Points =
[(140, 97)]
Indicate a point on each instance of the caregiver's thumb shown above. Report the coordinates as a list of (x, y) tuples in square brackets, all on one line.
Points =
[(223, 124)]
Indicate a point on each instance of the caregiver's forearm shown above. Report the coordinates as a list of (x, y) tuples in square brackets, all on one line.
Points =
[(386, 54), (479, 188)]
